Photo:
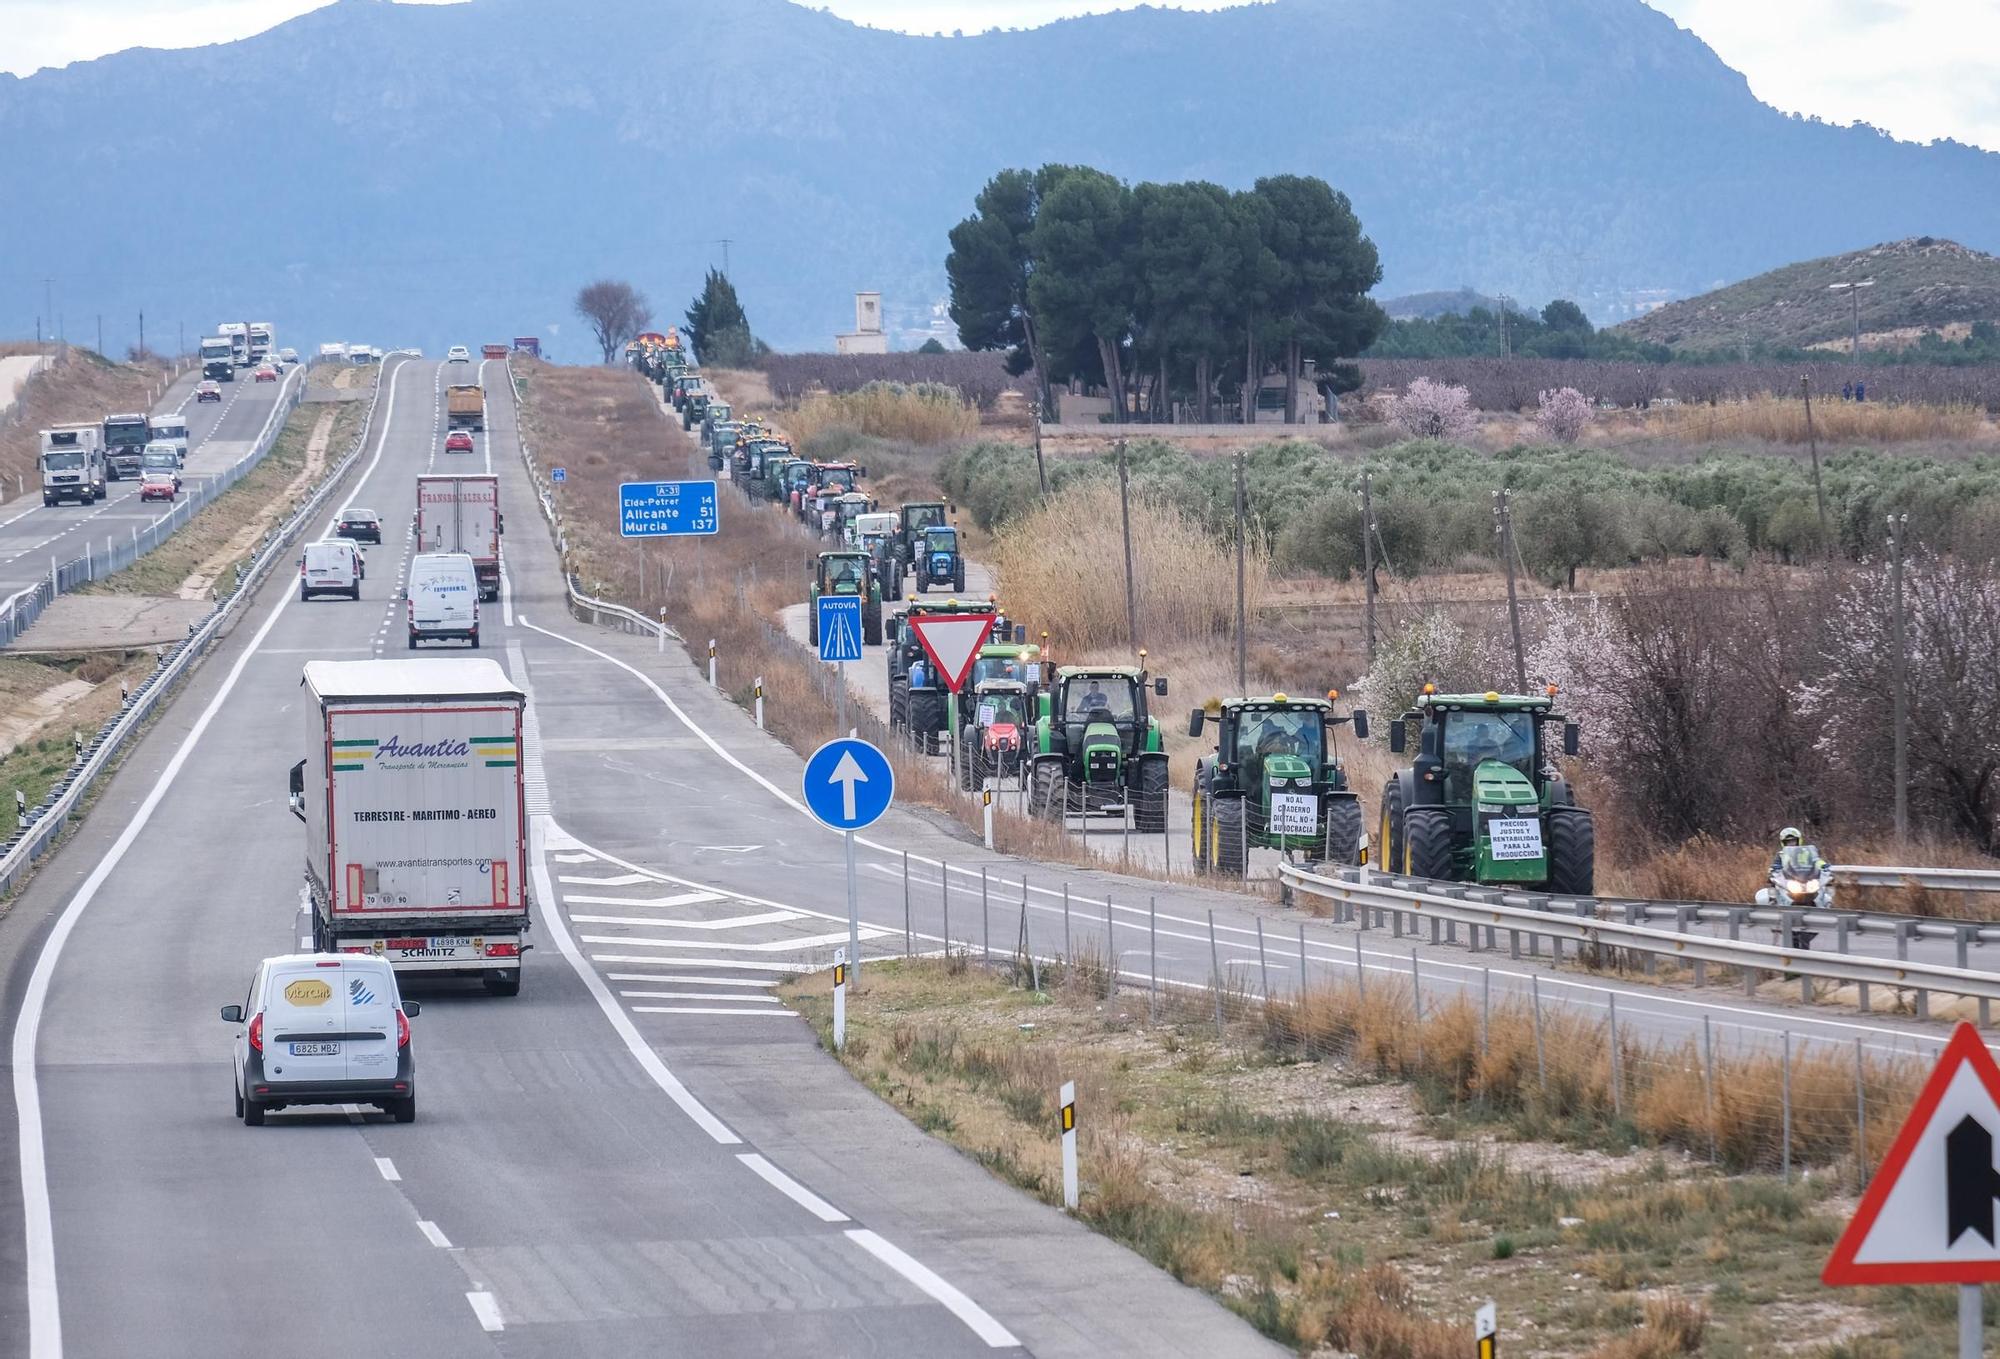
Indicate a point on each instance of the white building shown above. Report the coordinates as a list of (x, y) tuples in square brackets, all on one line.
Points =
[(867, 336)]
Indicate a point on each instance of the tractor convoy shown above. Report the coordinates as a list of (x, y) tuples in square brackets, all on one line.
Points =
[(1482, 801)]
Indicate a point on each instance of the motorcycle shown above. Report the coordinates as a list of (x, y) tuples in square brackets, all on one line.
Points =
[(1800, 883)]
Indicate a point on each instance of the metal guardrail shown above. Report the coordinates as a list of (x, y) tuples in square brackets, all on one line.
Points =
[(587, 607), (45, 822), (19, 612), (1936, 879), (1400, 906)]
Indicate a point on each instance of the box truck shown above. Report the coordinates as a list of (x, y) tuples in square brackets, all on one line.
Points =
[(218, 358), (72, 464), (263, 341), (416, 820), (465, 407), (462, 514)]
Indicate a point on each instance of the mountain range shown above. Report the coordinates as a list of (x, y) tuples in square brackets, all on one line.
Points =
[(437, 174)]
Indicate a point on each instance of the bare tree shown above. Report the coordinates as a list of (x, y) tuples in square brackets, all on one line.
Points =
[(616, 311)]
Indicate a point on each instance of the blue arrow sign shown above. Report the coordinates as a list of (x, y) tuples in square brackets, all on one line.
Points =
[(840, 627), (848, 784), (665, 509), (559, 475)]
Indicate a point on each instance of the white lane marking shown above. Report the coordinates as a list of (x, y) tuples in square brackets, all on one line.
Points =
[(657, 977), (574, 859), (684, 899), (698, 995), (965, 1309), (433, 1235), (388, 1169), (44, 1297), (785, 969), (487, 1311), (791, 1188), (768, 946), (734, 922), (709, 1010), (621, 880), (621, 1023)]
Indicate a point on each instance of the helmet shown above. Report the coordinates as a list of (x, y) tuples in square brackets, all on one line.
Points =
[(1790, 835)]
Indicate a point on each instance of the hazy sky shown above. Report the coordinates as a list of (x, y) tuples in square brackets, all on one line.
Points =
[(1920, 68)]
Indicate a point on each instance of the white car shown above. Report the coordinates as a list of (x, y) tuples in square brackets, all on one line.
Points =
[(458, 353), (443, 599), (324, 1028)]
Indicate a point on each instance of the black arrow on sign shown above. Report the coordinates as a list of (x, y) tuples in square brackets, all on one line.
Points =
[(1970, 1182)]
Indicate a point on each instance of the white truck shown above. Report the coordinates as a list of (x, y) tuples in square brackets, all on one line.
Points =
[(462, 514), (218, 358), (263, 341), (416, 817), (238, 335), (72, 463)]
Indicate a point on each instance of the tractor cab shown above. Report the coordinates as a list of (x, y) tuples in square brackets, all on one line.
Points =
[(838, 478), (1483, 801), (915, 518), (939, 561), (995, 732), (846, 573), (1098, 747), (846, 509), (1275, 781), (1008, 661)]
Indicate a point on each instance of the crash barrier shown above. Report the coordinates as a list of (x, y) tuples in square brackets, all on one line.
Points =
[(1935, 879), (585, 607), (19, 613), (1405, 908), (44, 823)]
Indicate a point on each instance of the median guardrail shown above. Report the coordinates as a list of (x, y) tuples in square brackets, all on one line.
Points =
[(45, 822), (1935, 879), (1401, 906)]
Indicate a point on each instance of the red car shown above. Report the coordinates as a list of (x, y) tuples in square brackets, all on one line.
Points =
[(208, 391), (266, 373), (458, 441), (157, 485)]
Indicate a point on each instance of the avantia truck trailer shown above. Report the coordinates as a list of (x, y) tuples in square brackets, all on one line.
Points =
[(416, 824)]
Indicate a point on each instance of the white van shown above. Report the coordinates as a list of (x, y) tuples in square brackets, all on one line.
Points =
[(171, 429), (444, 598), (324, 1028), (332, 566)]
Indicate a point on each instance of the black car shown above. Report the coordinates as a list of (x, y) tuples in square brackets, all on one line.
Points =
[(363, 526)]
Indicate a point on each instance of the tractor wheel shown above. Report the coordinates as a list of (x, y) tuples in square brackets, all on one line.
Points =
[(958, 579), (871, 626), (898, 704), (1197, 831), (1389, 844), (923, 586), (1572, 847), (1343, 830), (1429, 833), (1045, 790), (812, 623), (1225, 836), (1151, 816)]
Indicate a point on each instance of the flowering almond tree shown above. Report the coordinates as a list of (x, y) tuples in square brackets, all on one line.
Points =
[(1561, 414), (1435, 410)]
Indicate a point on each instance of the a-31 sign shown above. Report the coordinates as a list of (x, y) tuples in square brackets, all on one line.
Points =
[(667, 509)]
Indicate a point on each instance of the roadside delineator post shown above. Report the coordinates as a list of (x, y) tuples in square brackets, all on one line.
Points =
[(663, 635), (986, 807), (1067, 1099), (760, 703), (711, 661), (839, 999), (1486, 1331)]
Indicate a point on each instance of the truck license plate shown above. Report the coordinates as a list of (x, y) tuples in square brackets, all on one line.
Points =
[(437, 946), (315, 1049)]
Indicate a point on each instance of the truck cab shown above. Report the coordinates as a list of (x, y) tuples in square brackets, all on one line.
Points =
[(125, 440), (72, 465), (218, 359)]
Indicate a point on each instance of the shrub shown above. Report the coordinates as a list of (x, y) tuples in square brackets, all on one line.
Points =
[(1435, 410), (923, 413), (1561, 414)]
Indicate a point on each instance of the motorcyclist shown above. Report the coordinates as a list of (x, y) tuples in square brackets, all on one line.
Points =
[(1802, 855)]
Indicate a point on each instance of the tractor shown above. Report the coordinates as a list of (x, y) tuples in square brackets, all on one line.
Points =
[(939, 562), (920, 712), (993, 732), (1274, 781), (914, 519), (1095, 749), (1008, 655), (828, 481), (694, 406), (1483, 801), (839, 512), (792, 483), (846, 573)]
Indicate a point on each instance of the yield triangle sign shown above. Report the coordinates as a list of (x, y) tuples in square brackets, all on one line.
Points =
[(1929, 1215), (951, 640)]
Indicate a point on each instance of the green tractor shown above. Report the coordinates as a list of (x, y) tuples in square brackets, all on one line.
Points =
[(846, 573), (911, 521), (1483, 802), (921, 712), (1274, 782), (1096, 749)]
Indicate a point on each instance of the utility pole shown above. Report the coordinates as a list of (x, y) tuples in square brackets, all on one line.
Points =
[(1503, 525), (1853, 291), (1898, 527), (1812, 442), (1242, 621), (1041, 468), (142, 332), (1125, 512), (725, 243), (100, 332), (49, 306), (1368, 560), (1506, 345)]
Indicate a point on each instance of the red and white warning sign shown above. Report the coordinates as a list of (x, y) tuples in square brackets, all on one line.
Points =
[(952, 641), (1928, 1217)]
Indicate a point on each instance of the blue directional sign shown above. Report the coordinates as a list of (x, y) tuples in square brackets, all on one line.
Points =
[(558, 475), (665, 509), (840, 627), (849, 784)]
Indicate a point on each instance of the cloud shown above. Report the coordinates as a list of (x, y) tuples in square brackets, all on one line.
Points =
[(56, 32)]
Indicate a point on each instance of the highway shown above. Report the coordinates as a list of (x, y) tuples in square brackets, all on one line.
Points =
[(32, 535), (591, 1171)]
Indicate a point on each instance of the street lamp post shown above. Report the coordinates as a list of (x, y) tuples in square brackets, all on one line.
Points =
[(1853, 291)]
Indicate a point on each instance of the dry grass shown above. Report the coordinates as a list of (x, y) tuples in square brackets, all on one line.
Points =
[(78, 387), (1783, 420), (1069, 552), (918, 415), (42, 755)]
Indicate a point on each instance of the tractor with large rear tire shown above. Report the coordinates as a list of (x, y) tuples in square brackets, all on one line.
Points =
[(1483, 801), (1096, 749), (1275, 782)]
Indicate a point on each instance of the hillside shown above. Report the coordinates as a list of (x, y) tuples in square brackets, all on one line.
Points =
[(1920, 284), (438, 174), (1431, 305)]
